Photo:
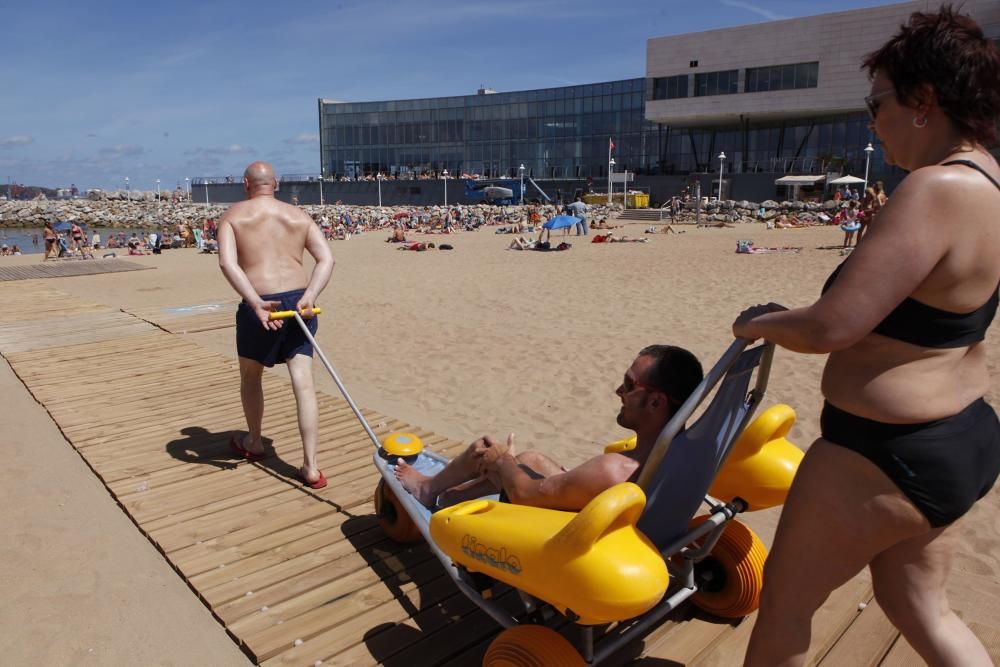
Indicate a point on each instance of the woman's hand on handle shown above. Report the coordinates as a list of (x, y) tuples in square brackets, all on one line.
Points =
[(744, 327)]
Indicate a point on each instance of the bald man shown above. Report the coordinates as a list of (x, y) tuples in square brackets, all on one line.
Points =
[(261, 245)]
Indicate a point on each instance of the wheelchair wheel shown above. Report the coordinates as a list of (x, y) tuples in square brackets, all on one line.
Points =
[(731, 577), (392, 518), (531, 646)]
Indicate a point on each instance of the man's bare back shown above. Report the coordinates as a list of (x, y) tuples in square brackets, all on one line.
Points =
[(270, 239)]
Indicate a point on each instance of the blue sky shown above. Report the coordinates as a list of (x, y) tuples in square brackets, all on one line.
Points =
[(97, 91)]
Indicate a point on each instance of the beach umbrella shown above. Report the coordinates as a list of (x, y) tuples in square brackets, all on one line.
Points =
[(561, 222), (846, 180)]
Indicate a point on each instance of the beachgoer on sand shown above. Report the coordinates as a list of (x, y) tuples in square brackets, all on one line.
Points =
[(655, 385), (261, 243), (908, 444)]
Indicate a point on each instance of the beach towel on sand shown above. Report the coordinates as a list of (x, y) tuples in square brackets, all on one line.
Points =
[(746, 247)]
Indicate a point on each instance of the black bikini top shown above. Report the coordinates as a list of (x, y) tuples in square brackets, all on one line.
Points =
[(919, 324)]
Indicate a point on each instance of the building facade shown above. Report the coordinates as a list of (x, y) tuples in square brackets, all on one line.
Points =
[(554, 132), (775, 98)]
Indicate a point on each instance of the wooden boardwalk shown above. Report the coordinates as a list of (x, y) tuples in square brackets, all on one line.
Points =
[(67, 268), (189, 319), (299, 576)]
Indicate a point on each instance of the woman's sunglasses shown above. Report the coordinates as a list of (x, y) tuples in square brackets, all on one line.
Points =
[(873, 104)]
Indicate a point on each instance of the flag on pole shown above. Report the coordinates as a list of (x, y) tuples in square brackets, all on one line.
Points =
[(611, 144)]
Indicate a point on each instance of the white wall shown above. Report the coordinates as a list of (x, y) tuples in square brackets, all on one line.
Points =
[(837, 41)]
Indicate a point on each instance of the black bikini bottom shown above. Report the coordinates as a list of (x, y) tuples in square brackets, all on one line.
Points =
[(943, 466)]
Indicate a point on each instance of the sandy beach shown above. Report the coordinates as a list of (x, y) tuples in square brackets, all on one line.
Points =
[(481, 339)]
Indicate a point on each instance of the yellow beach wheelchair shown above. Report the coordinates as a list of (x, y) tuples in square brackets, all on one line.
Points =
[(636, 551)]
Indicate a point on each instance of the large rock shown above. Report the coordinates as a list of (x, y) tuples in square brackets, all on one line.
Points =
[(769, 204)]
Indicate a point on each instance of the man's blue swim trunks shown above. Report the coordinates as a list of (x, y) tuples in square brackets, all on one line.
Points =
[(268, 347)]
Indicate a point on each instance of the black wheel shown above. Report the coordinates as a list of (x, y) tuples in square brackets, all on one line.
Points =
[(392, 518)]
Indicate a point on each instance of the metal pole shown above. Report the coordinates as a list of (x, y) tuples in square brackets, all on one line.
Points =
[(868, 158), (157, 194), (321, 189), (379, 179), (722, 157), (625, 192), (609, 171), (340, 385), (206, 192), (697, 202), (128, 195)]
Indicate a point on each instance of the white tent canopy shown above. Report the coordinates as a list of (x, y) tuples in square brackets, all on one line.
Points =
[(806, 179), (846, 180)]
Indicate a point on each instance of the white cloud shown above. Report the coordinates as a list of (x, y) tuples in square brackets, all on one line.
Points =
[(122, 150), (231, 149), (756, 9), (305, 139), (16, 140)]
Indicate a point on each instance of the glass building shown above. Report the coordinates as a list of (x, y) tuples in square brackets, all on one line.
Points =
[(554, 132), (565, 132)]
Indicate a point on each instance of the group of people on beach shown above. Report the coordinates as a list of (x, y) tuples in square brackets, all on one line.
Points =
[(854, 214), (907, 444), (77, 243)]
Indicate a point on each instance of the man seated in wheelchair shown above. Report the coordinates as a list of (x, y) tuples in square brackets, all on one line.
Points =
[(657, 383)]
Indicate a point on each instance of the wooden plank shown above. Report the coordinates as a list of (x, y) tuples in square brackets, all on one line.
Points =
[(828, 625), (866, 641), (69, 268)]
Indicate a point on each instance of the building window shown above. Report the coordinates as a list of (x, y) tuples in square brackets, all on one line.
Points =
[(781, 77), (670, 87), (716, 83)]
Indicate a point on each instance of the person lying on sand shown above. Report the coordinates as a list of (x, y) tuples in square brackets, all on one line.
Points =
[(655, 385), (521, 243), (608, 238)]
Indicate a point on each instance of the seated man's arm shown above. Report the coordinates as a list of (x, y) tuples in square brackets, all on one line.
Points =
[(569, 490)]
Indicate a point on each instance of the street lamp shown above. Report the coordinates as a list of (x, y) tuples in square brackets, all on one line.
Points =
[(611, 166), (321, 189), (722, 157), (187, 186), (520, 170), (379, 177), (444, 175), (625, 191), (868, 158), (128, 195), (206, 192)]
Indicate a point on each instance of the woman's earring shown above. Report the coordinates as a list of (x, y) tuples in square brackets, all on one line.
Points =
[(920, 122)]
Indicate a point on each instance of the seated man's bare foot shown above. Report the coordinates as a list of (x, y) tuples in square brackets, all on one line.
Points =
[(416, 483)]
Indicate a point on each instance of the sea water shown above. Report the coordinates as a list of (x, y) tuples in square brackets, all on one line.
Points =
[(22, 237)]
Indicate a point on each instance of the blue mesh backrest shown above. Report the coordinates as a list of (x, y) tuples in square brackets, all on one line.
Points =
[(680, 483)]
